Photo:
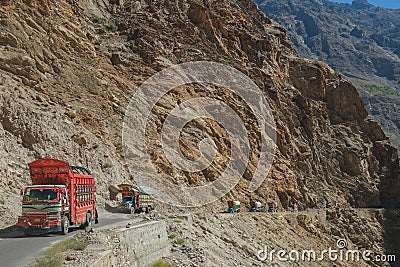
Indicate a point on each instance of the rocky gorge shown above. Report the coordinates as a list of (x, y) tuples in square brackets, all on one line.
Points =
[(359, 40), (68, 70)]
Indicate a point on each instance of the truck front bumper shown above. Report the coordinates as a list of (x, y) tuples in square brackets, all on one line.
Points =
[(41, 224)]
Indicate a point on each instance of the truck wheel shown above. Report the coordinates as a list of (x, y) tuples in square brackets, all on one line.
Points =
[(133, 210), (65, 225), (148, 209)]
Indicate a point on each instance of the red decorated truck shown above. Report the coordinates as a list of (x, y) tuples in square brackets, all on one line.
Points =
[(135, 199), (59, 197)]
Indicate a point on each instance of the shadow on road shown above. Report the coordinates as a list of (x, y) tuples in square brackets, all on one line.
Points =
[(11, 232), (17, 232), (392, 234), (111, 209)]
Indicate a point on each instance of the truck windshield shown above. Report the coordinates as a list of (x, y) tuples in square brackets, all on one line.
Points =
[(40, 195), (126, 199)]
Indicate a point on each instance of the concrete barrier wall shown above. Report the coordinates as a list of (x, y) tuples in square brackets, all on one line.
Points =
[(137, 246), (145, 243), (105, 259)]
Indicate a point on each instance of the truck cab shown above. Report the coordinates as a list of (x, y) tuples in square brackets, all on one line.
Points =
[(126, 204), (43, 207)]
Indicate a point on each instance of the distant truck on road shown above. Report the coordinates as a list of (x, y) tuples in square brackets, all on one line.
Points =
[(60, 196), (135, 199), (256, 206), (233, 206)]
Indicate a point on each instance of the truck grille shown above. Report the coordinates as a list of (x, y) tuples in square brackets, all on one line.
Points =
[(36, 219)]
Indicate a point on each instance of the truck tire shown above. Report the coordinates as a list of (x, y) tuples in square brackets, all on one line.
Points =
[(148, 209), (133, 211), (65, 225)]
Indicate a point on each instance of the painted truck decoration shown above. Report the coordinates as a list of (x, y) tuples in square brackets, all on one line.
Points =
[(135, 199), (233, 206), (60, 196)]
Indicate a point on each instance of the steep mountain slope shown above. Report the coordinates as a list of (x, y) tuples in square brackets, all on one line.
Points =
[(63, 96), (68, 70), (359, 40)]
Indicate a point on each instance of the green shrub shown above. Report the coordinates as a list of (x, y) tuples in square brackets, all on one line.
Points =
[(104, 29), (49, 261), (374, 89), (131, 43), (172, 236), (99, 41), (111, 26), (76, 244), (180, 241), (54, 257), (161, 263), (96, 19)]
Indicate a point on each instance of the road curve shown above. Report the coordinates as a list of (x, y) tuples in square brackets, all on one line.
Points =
[(18, 251)]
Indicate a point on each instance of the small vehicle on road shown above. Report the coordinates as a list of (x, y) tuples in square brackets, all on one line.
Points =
[(233, 206), (272, 206), (256, 206)]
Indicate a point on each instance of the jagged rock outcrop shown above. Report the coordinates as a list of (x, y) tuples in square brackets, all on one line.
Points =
[(359, 40), (66, 81)]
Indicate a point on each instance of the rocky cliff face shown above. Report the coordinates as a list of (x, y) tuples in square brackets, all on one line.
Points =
[(68, 70), (359, 40)]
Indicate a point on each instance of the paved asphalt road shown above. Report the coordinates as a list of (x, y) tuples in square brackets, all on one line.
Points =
[(18, 251)]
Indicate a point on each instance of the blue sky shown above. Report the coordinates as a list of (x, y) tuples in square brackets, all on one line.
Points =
[(384, 3)]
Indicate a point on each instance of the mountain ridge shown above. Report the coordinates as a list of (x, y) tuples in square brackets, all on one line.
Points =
[(361, 41)]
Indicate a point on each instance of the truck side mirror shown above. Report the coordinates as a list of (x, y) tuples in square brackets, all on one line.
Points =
[(21, 192)]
